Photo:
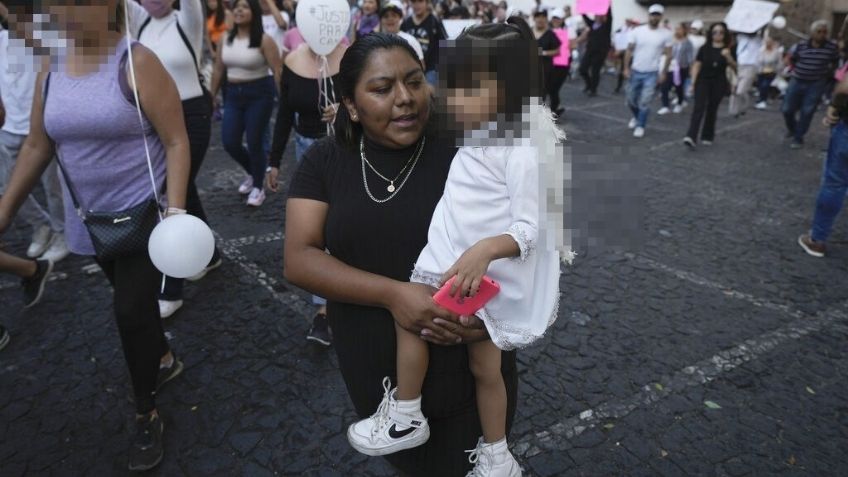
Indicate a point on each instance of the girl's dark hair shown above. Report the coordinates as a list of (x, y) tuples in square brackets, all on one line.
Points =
[(728, 38), (119, 16), (220, 13), (352, 65), (256, 30), (508, 51)]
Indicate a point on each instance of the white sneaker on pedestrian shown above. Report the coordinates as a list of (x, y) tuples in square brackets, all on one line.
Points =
[(397, 425), (40, 241), (58, 249), (206, 270), (639, 132), (761, 105), (706, 142), (632, 124), (677, 109), (688, 142), (663, 111), (493, 460), (257, 197), (169, 307), (246, 186)]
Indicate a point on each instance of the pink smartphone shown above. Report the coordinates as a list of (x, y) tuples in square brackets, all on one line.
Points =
[(463, 305)]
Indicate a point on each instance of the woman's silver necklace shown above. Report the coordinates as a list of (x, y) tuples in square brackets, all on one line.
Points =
[(413, 160)]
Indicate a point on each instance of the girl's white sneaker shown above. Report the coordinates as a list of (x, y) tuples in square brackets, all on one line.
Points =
[(246, 186), (389, 430), (493, 460)]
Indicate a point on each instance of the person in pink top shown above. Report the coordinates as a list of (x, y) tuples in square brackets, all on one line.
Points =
[(562, 61)]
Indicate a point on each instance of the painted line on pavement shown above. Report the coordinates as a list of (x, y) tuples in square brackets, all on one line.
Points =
[(53, 277), (255, 239), (705, 371)]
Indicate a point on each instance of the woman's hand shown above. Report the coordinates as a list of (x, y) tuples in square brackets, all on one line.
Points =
[(831, 118), (469, 329), (414, 310), (469, 270), (271, 179), (330, 113), (726, 53)]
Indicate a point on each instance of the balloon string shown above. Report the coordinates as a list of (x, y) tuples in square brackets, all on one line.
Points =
[(326, 91)]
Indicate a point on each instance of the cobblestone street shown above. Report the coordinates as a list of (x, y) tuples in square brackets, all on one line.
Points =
[(717, 348)]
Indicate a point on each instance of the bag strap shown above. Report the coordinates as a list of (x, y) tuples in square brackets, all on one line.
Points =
[(138, 105), (193, 55)]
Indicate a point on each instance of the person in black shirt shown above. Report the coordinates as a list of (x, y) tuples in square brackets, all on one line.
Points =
[(340, 203), (303, 106), (549, 46), (598, 38), (709, 80), (429, 31)]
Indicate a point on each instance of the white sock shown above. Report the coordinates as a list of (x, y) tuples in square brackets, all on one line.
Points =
[(498, 446), (412, 406)]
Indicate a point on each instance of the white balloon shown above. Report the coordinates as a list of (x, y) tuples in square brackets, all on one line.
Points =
[(323, 23), (779, 22), (181, 246)]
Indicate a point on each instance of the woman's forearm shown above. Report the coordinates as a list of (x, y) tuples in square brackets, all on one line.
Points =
[(318, 272), (30, 165), (179, 163)]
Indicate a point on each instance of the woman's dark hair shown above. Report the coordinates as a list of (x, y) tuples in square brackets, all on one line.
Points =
[(728, 38), (352, 65), (220, 13), (256, 30), (508, 51)]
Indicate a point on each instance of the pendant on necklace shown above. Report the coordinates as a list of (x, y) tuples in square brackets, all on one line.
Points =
[(391, 187)]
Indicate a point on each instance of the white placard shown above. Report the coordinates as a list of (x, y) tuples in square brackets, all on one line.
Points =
[(749, 16), (454, 27)]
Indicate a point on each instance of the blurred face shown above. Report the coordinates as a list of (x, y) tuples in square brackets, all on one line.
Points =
[(567, 12), (473, 104), (819, 34), (541, 22), (83, 24), (654, 19), (419, 7), (369, 7), (212, 5), (718, 34), (391, 99), (390, 21), (500, 13), (680, 31), (158, 8), (556, 22), (242, 15), (601, 18)]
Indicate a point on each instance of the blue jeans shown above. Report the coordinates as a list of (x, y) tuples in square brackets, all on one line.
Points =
[(834, 183), (803, 96), (247, 111), (640, 93)]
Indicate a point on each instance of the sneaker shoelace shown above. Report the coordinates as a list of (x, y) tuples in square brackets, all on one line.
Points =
[(382, 415), (480, 466)]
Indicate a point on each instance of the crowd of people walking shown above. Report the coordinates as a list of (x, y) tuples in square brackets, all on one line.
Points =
[(125, 121)]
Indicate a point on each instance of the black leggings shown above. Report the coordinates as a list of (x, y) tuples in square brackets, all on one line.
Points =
[(135, 282), (556, 77), (590, 68), (198, 121), (708, 95)]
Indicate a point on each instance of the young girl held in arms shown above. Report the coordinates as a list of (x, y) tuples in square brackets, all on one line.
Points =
[(497, 217)]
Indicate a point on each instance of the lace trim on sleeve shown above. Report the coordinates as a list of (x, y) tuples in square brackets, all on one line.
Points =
[(525, 244)]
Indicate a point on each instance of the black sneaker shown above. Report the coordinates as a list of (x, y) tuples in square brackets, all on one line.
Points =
[(4, 337), (146, 451), (169, 373), (320, 331), (34, 286)]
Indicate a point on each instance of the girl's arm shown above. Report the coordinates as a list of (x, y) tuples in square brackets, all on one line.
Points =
[(519, 240), (218, 68), (308, 266), (272, 56), (193, 21), (34, 157), (161, 103), (278, 16)]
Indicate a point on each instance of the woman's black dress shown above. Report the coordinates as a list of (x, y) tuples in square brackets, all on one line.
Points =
[(386, 239)]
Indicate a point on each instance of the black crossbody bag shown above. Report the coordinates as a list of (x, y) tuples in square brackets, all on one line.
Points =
[(126, 232)]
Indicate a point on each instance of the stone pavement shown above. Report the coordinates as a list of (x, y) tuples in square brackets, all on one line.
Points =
[(717, 348)]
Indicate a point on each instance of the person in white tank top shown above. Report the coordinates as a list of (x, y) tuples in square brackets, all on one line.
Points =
[(251, 62), (176, 37)]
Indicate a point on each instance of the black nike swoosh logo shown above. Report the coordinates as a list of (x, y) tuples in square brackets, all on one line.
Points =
[(396, 434)]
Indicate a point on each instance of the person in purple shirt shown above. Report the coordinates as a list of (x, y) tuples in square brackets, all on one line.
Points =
[(86, 113)]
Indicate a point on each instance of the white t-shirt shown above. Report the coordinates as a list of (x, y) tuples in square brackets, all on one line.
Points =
[(17, 83), (649, 45), (748, 49), (573, 23), (697, 41), (620, 39), (269, 25)]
